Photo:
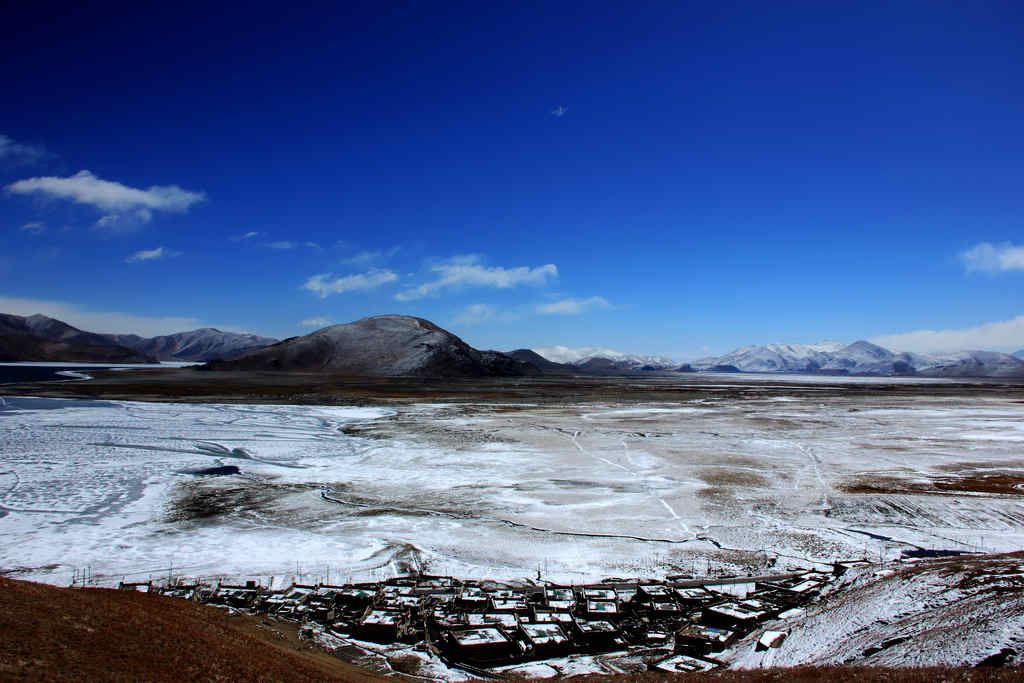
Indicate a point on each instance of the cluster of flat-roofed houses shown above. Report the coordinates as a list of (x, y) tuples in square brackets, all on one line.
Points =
[(679, 624)]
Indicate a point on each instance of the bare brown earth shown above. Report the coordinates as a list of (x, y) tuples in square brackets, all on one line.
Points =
[(1011, 484), (49, 633), (205, 386)]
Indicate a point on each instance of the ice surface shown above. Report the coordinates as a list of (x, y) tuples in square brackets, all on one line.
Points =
[(577, 492)]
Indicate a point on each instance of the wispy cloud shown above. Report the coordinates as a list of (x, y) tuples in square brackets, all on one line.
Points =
[(288, 244), (123, 205), (323, 286), (1005, 335), (246, 236), (993, 258), (475, 314), (17, 153), (573, 306), (35, 227), (102, 321), (152, 255), (486, 313), (560, 111), (466, 271), (315, 322), (366, 257)]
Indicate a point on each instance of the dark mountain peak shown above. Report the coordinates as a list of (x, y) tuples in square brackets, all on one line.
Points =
[(380, 346), (535, 359), (41, 338)]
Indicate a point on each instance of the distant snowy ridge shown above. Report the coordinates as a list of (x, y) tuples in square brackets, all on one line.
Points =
[(865, 358), (205, 344), (581, 356)]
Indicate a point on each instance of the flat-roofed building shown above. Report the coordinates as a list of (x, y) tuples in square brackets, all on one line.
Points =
[(517, 605), (505, 620), (685, 664), (604, 609), (701, 639), (650, 592), (486, 646), (599, 594), (598, 634), (693, 596), (560, 594), (380, 625), (545, 639), (732, 615)]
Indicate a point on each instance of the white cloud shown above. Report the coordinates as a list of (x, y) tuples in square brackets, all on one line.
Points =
[(559, 111), (121, 203), (151, 255), (86, 188), (475, 314), (466, 271), (1005, 335), (246, 236), (19, 153), (573, 306), (323, 286), (35, 227), (315, 322), (993, 258), (100, 321)]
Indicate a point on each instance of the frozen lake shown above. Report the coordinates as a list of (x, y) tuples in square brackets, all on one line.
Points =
[(503, 490)]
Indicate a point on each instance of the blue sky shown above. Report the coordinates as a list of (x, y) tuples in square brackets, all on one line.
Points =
[(674, 178)]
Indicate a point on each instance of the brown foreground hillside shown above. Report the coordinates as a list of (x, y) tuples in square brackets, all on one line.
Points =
[(50, 633)]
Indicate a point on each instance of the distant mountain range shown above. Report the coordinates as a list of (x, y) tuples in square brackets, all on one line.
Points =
[(392, 345), (381, 346), (602, 361), (864, 358), (40, 338), (200, 345)]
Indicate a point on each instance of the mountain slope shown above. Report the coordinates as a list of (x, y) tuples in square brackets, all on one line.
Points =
[(381, 346), (39, 338), (540, 362), (200, 345)]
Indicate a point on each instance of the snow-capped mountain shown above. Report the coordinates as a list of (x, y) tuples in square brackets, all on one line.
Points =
[(972, 364), (200, 345), (865, 358), (589, 354), (1018, 354), (776, 357)]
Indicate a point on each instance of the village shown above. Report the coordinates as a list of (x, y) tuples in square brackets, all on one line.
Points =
[(677, 625)]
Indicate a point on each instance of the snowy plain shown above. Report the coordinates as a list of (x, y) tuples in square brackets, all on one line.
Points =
[(576, 492)]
